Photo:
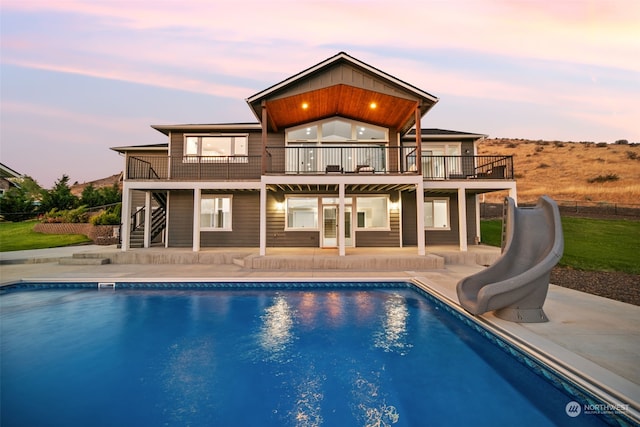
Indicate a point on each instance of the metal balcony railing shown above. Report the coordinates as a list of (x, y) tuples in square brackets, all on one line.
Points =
[(378, 159)]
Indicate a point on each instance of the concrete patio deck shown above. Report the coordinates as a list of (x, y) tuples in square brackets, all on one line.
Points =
[(596, 337)]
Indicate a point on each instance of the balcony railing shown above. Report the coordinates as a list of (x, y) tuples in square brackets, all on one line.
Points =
[(319, 160), (193, 168), (467, 167)]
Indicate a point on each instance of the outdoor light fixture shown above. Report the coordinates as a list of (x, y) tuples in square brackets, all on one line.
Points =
[(373, 105), (280, 206), (305, 105)]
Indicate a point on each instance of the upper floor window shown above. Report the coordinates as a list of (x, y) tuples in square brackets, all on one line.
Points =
[(337, 130), (216, 146)]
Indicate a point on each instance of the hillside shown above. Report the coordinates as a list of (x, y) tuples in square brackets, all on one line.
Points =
[(77, 188), (570, 171)]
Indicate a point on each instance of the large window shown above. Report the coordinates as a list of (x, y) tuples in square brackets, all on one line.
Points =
[(209, 146), (436, 214), (372, 213), (302, 213), (215, 212), (337, 130)]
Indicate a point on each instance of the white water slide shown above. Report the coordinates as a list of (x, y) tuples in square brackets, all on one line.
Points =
[(516, 285)]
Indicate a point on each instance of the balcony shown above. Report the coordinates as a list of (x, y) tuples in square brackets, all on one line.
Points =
[(316, 160)]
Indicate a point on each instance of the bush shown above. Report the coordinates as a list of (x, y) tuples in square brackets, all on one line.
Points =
[(603, 178), (71, 216), (110, 216)]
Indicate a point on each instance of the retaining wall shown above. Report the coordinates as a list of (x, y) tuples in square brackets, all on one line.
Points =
[(99, 234)]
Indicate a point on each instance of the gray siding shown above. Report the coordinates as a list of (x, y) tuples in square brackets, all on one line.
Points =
[(180, 232), (245, 225), (388, 238), (277, 237), (343, 73)]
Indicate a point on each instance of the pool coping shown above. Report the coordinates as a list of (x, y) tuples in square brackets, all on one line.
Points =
[(603, 384)]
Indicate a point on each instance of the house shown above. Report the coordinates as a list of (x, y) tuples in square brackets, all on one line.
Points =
[(8, 178), (335, 160)]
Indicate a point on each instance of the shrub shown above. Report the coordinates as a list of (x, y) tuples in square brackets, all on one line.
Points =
[(603, 178), (110, 216), (632, 155), (72, 216)]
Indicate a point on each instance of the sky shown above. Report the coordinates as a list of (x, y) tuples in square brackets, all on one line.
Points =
[(80, 76)]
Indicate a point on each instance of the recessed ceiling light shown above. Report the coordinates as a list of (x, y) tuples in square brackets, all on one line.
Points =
[(305, 105), (373, 105)]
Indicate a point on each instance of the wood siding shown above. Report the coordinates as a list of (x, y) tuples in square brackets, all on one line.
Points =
[(437, 237), (277, 237), (387, 238), (180, 227), (245, 224), (347, 74)]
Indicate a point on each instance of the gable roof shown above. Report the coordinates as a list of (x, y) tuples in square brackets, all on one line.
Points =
[(434, 133), (342, 86), (7, 172)]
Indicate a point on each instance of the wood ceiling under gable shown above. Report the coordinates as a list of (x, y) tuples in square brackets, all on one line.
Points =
[(340, 100)]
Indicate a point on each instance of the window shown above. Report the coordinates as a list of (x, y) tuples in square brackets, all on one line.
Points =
[(337, 130), (215, 146), (215, 212), (372, 212), (302, 213), (436, 214)]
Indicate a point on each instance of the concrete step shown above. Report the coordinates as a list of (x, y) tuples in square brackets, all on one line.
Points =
[(83, 261)]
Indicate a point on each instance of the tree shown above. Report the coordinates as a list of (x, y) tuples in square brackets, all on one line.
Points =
[(91, 197), (17, 205), (59, 197), (111, 195)]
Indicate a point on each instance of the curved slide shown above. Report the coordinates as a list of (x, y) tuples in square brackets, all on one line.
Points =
[(516, 285)]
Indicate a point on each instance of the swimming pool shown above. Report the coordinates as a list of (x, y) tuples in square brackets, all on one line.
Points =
[(281, 354)]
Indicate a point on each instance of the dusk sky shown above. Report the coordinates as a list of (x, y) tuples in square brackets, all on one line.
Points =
[(80, 76)]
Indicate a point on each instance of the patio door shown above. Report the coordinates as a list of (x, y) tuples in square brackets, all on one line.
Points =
[(330, 226)]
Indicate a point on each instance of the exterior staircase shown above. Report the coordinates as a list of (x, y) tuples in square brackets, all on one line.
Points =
[(158, 221)]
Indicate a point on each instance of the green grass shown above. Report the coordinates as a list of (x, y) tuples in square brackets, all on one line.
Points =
[(589, 244), (19, 236)]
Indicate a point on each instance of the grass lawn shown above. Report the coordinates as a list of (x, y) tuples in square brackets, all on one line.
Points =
[(19, 236), (589, 244)]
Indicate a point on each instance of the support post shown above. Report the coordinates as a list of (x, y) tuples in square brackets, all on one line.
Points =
[(462, 219), (125, 227), (263, 219), (341, 222), (147, 219), (265, 126), (420, 217), (418, 140), (197, 195)]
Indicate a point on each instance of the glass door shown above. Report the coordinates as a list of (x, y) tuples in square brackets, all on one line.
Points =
[(330, 226)]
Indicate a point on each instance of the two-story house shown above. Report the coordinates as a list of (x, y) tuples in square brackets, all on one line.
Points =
[(336, 159)]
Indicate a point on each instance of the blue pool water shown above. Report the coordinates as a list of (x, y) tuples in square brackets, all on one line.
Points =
[(382, 356)]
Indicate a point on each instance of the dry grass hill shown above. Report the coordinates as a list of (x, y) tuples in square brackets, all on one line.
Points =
[(571, 171)]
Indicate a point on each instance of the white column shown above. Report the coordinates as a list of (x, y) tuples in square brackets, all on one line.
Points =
[(263, 219), (462, 219), (420, 217), (125, 219), (197, 195), (147, 219), (514, 194), (478, 232), (341, 223)]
